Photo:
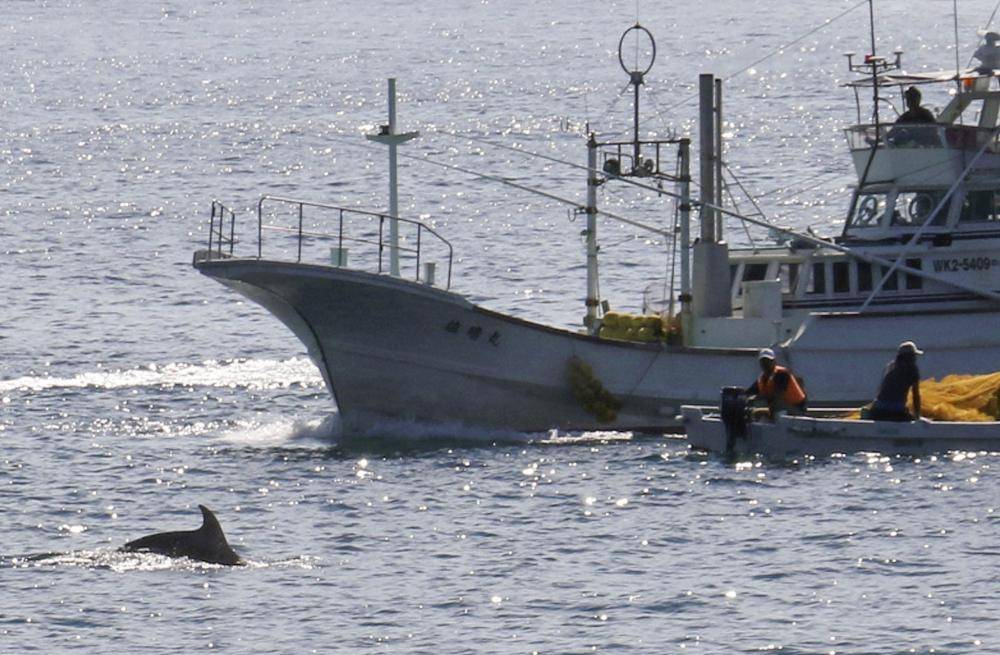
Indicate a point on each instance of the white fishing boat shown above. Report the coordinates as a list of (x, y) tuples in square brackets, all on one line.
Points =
[(918, 258), (793, 436)]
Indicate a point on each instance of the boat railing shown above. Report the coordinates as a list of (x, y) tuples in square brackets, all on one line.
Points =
[(220, 244), (618, 158), (923, 135), (363, 235)]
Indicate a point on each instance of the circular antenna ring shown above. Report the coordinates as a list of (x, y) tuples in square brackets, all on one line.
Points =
[(621, 42)]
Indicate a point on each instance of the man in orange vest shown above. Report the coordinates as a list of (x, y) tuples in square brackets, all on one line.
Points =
[(778, 387)]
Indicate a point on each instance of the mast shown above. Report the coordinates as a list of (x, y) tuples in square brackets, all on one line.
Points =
[(387, 135), (874, 62), (706, 144), (593, 297), (873, 65), (719, 218), (684, 149), (613, 156), (710, 274)]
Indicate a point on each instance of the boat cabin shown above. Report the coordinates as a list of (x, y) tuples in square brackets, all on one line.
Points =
[(938, 182)]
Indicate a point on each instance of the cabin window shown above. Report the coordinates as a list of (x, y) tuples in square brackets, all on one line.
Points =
[(751, 273), (868, 210), (916, 208), (754, 272), (914, 281), (841, 277), (864, 277), (788, 275), (980, 206), (817, 282), (892, 283)]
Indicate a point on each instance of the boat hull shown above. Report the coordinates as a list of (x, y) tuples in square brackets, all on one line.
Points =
[(393, 348), (390, 348), (792, 436)]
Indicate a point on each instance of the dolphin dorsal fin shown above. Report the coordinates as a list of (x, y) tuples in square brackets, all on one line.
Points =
[(214, 545), (208, 522)]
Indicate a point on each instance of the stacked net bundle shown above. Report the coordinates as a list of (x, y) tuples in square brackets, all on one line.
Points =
[(961, 398)]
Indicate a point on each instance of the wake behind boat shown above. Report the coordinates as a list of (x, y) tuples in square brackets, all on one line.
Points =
[(919, 258)]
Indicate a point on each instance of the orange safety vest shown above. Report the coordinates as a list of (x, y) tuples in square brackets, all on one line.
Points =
[(794, 394)]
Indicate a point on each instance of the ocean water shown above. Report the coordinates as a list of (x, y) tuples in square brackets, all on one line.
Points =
[(132, 388)]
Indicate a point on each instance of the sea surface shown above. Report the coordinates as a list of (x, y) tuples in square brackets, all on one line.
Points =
[(133, 389)]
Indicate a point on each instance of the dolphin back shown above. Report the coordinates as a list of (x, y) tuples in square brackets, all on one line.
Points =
[(206, 544)]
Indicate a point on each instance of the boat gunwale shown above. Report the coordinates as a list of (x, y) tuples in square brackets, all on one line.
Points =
[(386, 280)]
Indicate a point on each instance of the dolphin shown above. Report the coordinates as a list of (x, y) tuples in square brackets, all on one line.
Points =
[(206, 544)]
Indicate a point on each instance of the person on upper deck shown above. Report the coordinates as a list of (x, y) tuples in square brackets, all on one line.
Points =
[(988, 54), (902, 134), (915, 113), (900, 376), (777, 386)]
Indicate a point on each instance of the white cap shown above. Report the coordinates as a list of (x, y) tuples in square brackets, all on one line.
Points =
[(766, 353), (909, 348)]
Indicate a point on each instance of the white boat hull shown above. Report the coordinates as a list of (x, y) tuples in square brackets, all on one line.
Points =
[(391, 348), (791, 436)]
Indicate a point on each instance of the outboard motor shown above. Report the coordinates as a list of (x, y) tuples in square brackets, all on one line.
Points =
[(733, 410)]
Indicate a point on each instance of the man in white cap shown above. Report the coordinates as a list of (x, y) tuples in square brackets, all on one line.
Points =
[(900, 376), (777, 386)]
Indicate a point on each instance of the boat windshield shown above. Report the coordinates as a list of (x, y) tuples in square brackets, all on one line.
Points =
[(980, 206), (902, 208)]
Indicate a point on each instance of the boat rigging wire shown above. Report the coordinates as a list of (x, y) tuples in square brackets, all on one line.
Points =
[(983, 293), (732, 199), (778, 190), (661, 112), (523, 187), (545, 194), (776, 51), (824, 243), (530, 153), (693, 202), (495, 178), (978, 291), (614, 103)]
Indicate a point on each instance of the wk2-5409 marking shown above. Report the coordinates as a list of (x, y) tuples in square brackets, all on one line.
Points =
[(963, 264)]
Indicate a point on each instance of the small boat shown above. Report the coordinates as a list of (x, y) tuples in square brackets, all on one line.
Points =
[(729, 432)]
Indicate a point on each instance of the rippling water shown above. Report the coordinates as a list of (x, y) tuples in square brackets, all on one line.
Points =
[(132, 389)]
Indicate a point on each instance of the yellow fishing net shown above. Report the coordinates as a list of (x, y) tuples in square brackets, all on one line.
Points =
[(971, 398), (961, 398)]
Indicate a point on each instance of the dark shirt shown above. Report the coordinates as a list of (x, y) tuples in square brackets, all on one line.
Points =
[(896, 382), (916, 115)]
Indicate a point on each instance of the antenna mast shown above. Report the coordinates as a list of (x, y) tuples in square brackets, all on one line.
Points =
[(636, 79), (387, 135)]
